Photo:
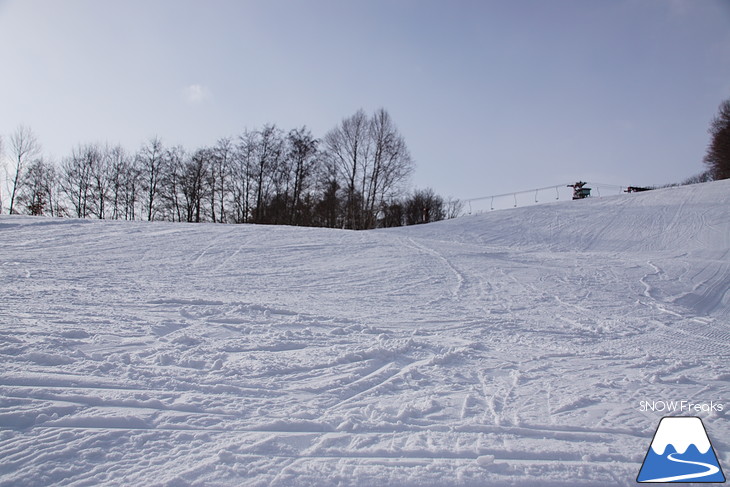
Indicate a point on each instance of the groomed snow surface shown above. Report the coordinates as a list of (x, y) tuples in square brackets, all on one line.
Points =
[(510, 348)]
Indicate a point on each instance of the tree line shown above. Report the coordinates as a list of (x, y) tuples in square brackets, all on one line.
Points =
[(354, 177)]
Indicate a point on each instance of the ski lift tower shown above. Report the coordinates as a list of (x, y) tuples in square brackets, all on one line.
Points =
[(579, 190)]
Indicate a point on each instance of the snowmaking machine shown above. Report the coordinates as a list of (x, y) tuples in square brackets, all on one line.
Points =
[(579, 190)]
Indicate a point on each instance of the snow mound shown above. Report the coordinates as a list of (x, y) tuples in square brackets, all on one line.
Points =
[(693, 217)]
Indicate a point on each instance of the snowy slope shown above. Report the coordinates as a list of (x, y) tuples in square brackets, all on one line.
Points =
[(511, 348)]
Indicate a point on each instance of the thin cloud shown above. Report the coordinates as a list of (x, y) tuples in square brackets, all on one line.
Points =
[(196, 94)]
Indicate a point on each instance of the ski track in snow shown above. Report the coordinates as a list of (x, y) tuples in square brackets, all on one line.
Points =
[(510, 348)]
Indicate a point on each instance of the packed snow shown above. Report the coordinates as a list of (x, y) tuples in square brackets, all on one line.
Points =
[(510, 348)]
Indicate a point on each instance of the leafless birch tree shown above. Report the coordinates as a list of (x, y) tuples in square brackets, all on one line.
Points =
[(24, 147)]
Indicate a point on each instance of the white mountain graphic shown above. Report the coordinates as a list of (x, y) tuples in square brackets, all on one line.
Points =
[(681, 432)]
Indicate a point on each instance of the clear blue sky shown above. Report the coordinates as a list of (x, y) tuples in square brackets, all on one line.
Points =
[(491, 96)]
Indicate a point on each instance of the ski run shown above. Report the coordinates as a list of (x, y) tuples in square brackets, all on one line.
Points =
[(517, 347)]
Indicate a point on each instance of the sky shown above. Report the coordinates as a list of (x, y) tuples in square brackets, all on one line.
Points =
[(491, 96)]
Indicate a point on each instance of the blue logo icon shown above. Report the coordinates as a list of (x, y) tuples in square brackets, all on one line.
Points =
[(681, 452)]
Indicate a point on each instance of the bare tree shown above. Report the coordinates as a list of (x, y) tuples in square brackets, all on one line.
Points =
[(267, 159), (301, 159), (171, 181), (223, 155), (76, 178), (151, 159), (121, 174), (391, 165), (193, 184), (371, 160), (347, 150), (53, 189), (132, 189), (101, 180), (453, 208), (392, 214), (718, 152), (124, 183), (242, 174), (37, 188), (24, 147), (328, 211), (424, 206)]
